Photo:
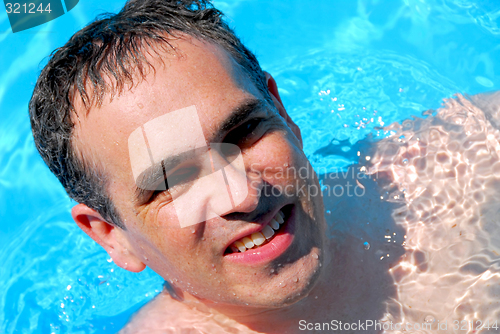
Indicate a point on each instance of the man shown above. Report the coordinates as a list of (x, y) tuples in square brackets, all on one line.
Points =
[(182, 157), (119, 73)]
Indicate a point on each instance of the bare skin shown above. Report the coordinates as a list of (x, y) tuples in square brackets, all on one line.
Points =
[(354, 284), (389, 281), (363, 285), (193, 259), (325, 273)]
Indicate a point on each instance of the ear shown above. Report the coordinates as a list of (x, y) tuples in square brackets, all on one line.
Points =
[(273, 90), (113, 239)]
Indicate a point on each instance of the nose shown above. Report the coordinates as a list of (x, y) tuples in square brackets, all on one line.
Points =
[(249, 203), (244, 187)]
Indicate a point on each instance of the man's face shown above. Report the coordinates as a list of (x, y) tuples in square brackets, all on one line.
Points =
[(199, 258)]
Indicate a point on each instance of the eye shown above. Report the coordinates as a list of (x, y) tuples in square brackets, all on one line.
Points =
[(179, 177), (244, 133)]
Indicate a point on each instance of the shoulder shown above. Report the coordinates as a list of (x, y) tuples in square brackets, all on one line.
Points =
[(161, 315), (167, 315), (489, 103), (481, 110)]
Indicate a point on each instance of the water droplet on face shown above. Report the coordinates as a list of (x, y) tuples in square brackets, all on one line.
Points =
[(272, 271), (315, 256), (429, 319), (366, 245), (296, 279), (282, 284)]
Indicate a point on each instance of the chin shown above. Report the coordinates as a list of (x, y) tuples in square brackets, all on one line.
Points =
[(293, 282)]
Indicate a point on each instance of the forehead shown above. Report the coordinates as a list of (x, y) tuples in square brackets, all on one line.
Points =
[(194, 73)]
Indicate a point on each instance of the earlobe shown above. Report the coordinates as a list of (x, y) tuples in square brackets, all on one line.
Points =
[(273, 90), (108, 236)]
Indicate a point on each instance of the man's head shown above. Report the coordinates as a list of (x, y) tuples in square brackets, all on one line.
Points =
[(83, 117), (103, 59)]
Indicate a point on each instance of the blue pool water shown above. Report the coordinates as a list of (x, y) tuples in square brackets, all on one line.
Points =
[(345, 68)]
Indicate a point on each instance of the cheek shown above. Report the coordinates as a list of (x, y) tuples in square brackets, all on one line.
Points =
[(165, 247), (277, 158)]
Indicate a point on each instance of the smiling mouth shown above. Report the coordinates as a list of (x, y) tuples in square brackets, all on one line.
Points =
[(261, 238)]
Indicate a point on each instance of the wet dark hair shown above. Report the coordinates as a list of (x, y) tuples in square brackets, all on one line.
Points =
[(114, 47)]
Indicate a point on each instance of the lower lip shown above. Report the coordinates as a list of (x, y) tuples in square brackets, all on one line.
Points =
[(270, 251)]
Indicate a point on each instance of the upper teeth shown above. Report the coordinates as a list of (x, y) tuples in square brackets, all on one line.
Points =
[(258, 238)]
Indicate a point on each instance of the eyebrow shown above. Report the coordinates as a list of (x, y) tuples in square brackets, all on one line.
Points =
[(158, 171), (241, 113)]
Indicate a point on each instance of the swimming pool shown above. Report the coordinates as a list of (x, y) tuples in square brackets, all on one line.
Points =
[(339, 64)]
